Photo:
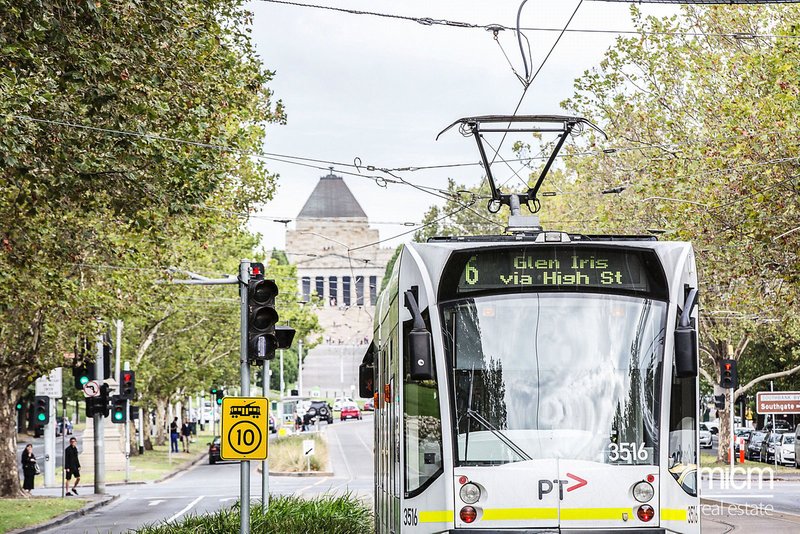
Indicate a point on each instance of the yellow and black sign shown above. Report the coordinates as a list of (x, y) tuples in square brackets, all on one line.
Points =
[(245, 428)]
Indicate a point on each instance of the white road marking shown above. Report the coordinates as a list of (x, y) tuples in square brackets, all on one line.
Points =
[(157, 501), (226, 499), (188, 507)]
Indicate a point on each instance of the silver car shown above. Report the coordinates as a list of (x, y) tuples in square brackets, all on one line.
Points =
[(784, 449)]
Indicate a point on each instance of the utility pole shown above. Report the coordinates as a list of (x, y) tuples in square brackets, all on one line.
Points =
[(265, 463), (99, 449), (283, 386), (244, 478), (300, 367), (127, 411), (118, 351)]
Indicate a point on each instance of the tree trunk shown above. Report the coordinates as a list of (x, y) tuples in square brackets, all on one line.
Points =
[(724, 436), (148, 443), (161, 421), (9, 463)]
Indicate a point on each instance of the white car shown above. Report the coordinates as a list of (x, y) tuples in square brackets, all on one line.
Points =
[(784, 449), (705, 436), (341, 401)]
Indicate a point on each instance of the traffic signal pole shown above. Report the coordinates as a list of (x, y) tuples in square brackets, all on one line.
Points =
[(99, 449), (265, 463), (244, 498)]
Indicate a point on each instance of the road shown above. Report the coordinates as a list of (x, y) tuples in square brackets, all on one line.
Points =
[(206, 488)]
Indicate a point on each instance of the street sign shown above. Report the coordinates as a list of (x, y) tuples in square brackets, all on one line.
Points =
[(91, 389), (308, 447), (244, 428), (50, 385), (778, 402)]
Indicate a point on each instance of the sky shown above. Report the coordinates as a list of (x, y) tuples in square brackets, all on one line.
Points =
[(380, 90)]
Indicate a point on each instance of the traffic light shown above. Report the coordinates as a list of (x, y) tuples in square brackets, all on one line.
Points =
[(127, 386), (81, 375), (261, 316), (220, 393), (41, 410), (213, 391), (98, 405), (728, 377), (119, 412), (19, 406)]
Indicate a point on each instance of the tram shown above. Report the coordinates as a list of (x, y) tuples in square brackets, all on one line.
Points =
[(536, 381)]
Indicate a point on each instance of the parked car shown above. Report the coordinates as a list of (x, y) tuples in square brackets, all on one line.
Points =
[(272, 427), (341, 401), (350, 411), (753, 449), (213, 451), (62, 421), (369, 405), (705, 436), (318, 409), (784, 449), (746, 434), (797, 447), (768, 448)]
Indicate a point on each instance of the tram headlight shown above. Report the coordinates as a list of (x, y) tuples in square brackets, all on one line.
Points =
[(643, 491), (468, 514), (470, 493)]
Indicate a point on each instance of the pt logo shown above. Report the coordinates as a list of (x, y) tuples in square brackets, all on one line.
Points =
[(546, 486)]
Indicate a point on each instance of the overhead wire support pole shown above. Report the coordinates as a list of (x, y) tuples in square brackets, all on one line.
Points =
[(244, 478)]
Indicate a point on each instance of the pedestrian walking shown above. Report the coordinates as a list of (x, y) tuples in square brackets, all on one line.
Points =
[(28, 469), (186, 433), (173, 435), (72, 467)]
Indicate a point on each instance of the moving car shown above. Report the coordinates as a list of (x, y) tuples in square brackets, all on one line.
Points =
[(213, 451), (318, 409), (350, 411), (369, 405), (341, 401), (753, 449), (784, 450), (705, 436)]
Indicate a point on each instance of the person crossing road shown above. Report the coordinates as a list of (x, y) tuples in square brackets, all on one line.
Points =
[(72, 467)]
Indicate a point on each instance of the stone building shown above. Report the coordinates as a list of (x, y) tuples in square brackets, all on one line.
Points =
[(338, 260)]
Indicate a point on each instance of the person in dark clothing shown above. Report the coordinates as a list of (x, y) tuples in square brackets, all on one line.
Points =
[(72, 467), (173, 435), (186, 433), (28, 468)]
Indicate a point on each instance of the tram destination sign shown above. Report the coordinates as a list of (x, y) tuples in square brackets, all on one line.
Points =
[(244, 428), (778, 402), (557, 268)]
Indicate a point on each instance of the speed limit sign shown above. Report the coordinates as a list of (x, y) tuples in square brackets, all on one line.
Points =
[(245, 428)]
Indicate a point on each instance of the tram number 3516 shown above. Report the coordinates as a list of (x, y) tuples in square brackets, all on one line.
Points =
[(410, 516)]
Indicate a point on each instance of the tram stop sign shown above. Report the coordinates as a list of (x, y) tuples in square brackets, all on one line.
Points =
[(245, 428)]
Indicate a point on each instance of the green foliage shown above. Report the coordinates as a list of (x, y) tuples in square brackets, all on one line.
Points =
[(342, 514)]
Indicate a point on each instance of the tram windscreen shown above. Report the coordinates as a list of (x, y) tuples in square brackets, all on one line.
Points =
[(556, 375), (553, 268)]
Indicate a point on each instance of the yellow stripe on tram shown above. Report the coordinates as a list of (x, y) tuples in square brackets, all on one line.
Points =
[(435, 516), (673, 514), (511, 514), (593, 514)]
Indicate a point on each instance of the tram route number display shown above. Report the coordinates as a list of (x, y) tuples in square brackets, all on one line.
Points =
[(244, 428), (553, 267)]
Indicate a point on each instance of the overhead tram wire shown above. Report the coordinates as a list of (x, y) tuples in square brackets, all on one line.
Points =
[(429, 21)]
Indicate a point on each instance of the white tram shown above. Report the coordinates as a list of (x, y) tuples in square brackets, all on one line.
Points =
[(539, 382)]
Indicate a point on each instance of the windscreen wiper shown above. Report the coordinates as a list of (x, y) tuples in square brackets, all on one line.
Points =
[(486, 424)]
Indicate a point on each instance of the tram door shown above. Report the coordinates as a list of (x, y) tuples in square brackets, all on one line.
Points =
[(388, 443)]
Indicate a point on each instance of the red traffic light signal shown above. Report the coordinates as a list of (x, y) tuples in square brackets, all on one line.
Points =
[(127, 386), (728, 376)]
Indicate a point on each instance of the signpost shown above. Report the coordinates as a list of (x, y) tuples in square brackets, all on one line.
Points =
[(91, 389), (308, 452), (50, 386), (245, 428), (778, 402)]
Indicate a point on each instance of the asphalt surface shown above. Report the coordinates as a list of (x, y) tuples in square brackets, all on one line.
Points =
[(206, 488)]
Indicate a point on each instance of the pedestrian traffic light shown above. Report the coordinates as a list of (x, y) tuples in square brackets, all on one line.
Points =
[(127, 386), (719, 402), (119, 412), (98, 405), (41, 410), (728, 378), (261, 317)]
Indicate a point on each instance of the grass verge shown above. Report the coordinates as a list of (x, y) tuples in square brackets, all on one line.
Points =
[(708, 459), (343, 514), (18, 513), (286, 454)]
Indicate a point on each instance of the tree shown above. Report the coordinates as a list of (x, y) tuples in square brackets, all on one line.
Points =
[(706, 154), (89, 212)]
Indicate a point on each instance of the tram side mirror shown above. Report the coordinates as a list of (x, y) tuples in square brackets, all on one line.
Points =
[(420, 348), (420, 353), (686, 340), (366, 381)]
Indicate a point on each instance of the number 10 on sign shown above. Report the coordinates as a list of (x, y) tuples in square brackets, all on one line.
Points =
[(245, 428)]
